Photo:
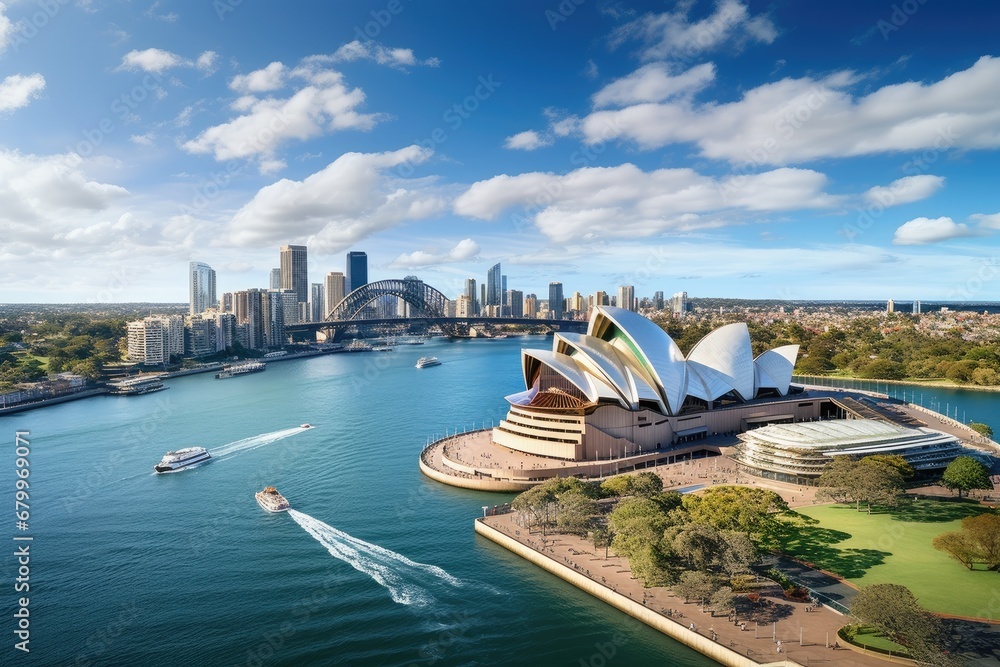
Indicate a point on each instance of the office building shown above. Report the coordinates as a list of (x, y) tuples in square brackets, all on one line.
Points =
[(890, 306), (626, 297), (515, 303), (275, 304), (202, 287), (531, 306), (335, 291), (470, 293), (658, 300), (357, 271), (494, 286), (275, 282), (463, 306), (679, 305), (916, 307), (295, 271), (481, 307), (555, 301), (317, 301), (250, 317)]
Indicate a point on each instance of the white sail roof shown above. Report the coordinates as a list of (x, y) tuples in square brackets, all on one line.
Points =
[(773, 369), (591, 386), (725, 356)]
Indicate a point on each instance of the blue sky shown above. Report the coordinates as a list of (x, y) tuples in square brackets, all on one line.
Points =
[(732, 148)]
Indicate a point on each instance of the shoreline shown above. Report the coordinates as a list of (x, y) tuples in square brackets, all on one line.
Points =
[(935, 384), (716, 637)]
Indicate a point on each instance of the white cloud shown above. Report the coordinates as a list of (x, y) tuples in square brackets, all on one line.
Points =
[(987, 220), (208, 62), (654, 83), (147, 139), (155, 61), (798, 120), (323, 104), (528, 140), (922, 231), (351, 198), (624, 201), (17, 91), (383, 55), (264, 80), (465, 250), (674, 35), (6, 28), (905, 190), (37, 188)]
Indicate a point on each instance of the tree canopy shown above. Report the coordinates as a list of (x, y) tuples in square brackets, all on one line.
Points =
[(964, 474)]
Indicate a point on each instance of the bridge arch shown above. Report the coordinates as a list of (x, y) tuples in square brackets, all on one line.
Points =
[(362, 303)]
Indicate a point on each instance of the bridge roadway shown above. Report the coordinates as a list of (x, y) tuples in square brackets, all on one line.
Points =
[(446, 323)]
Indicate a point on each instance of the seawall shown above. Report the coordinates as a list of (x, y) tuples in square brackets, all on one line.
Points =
[(721, 654)]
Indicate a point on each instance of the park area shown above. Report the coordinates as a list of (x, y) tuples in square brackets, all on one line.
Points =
[(895, 546)]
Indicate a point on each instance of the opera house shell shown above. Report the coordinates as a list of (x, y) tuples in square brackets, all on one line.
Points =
[(624, 388)]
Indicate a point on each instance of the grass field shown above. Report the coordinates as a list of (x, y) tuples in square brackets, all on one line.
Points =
[(895, 547)]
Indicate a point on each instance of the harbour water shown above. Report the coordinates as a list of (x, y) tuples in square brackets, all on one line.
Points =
[(377, 565)]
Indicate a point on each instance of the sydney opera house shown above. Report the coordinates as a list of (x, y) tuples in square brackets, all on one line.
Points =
[(624, 388)]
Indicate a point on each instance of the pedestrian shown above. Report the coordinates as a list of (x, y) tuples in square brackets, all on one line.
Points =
[(692, 626), (779, 646)]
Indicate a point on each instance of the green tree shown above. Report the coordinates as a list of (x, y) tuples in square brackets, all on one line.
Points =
[(964, 474), (575, 513), (696, 586), (647, 484), (698, 546), (748, 510), (617, 486), (602, 539), (723, 600), (977, 542), (981, 429), (893, 610)]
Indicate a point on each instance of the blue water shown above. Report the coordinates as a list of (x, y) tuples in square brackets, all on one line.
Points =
[(378, 566)]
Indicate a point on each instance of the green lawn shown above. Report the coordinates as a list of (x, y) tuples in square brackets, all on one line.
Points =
[(895, 547), (870, 637)]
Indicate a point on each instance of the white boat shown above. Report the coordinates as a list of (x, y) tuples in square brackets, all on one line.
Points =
[(271, 500), (424, 362), (236, 370), (182, 458), (136, 386)]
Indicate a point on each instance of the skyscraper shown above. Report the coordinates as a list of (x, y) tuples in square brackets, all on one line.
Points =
[(295, 271), (658, 300), (357, 271), (916, 307), (202, 287), (626, 297), (275, 282), (531, 306), (494, 286), (515, 302), (890, 306), (679, 304), (470, 293), (249, 307), (334, 291), (316, 302), (555, 301)]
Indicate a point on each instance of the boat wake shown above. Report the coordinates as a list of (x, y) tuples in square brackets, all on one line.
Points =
[(406, 580), (246, 444)]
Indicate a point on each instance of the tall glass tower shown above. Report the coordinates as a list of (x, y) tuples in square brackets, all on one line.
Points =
[(357, 271), (555, 301), (494, 286), (202, 287)]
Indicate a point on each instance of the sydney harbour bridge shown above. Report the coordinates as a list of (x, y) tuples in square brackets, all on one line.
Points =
[(408, 305)]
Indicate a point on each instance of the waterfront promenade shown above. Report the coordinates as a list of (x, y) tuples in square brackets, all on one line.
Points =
[(750, 637)]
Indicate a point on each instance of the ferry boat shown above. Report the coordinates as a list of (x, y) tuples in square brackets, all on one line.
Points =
[(271, 500), (182, 458), (241, 369), (424, 362), (137, 386)]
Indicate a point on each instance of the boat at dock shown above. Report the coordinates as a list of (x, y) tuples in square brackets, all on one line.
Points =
[(182, 458), (136, 386), (235, 370), (271, 500)]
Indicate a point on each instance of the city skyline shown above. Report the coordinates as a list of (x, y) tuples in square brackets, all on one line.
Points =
[(722, 148)]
